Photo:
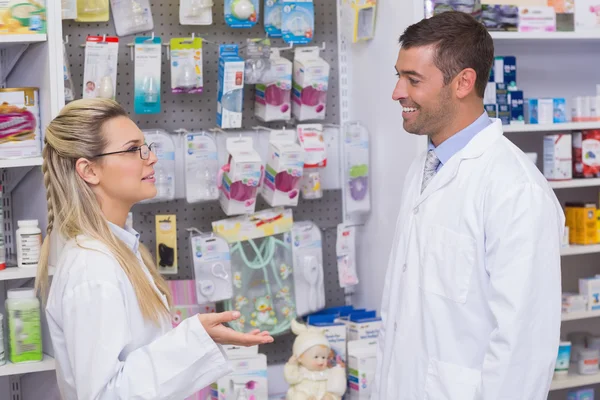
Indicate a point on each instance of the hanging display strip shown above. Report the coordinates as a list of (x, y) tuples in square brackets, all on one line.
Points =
[(325, 212), (194, 111)]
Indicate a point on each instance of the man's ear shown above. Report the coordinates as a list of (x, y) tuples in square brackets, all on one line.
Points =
[(465, 82), (88, 171)]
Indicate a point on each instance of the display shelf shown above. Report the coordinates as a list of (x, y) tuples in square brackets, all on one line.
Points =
[(567, 126), (573, 249), (27, 38), (575, 183), (47, 364), (21, 273), (592, 35), (572, 316), (21, 162), (574, 380)]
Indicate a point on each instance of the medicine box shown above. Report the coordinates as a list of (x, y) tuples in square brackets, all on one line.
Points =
[(517, 109), (581, 394), (245, 369), (491, 110), (558, 157), (362, 363), (590, 288), (363, 325), (501, 94), (573, 302), (505, 71), (504, 113), (582, 222)]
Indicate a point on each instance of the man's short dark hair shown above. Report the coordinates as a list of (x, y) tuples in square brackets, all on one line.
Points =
[(461, 42)]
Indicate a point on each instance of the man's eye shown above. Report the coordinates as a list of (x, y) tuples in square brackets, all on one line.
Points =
[(413, 81)]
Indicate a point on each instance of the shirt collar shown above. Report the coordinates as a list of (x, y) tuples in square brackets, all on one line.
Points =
[(459, 140), (128, 235)]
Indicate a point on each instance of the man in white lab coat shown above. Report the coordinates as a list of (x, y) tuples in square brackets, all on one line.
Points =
[(472, 299)]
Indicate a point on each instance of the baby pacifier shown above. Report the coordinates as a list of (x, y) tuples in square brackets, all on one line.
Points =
[(242, 9)]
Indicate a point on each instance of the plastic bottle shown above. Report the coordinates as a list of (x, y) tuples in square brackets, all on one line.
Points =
[(29, 243), (24, 327)]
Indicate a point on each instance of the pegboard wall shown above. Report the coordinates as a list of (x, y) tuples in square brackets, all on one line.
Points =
[(198, 111)]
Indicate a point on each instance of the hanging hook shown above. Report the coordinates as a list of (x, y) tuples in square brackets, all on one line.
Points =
[(104, 38), (66, 39), (131, 50)]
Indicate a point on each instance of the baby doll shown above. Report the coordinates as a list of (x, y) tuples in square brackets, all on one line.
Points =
[(307, 371)]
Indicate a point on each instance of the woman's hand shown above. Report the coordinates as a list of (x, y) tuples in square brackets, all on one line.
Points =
[(213, 323)]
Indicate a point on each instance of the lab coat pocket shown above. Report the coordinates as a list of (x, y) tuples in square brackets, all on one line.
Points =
[(448, 263), (447, 381)]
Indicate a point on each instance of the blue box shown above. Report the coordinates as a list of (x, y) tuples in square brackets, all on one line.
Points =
[(531, 111), (230, 89), (582, 394), (491, 110), (559, 110), (509, 70), (504, 113), (501, 94), (517, 109)]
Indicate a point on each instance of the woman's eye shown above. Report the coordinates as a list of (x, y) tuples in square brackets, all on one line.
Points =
[(133, 148)]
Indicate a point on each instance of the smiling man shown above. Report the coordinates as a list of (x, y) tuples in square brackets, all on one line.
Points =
[(471, 305)]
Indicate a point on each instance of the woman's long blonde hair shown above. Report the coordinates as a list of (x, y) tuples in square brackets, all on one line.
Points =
[(77, 133)]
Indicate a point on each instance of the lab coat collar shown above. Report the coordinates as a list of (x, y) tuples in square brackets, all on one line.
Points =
[(474, 149), (128, 235)]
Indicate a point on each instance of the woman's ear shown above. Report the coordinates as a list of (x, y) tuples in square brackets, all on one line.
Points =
[(88, 171)]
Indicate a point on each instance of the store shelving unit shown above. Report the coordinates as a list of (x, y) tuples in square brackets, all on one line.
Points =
[(574, 250), (21, 162), (573, 316), (567, 126), (47, 364), (575, 183), (28, 38), (574, 380)]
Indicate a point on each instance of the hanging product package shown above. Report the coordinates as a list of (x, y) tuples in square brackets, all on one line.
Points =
[(345, 247), (164, 169), (273, 98), (355, 158), (261, 262), (132, 16), (298, 21), (308, 267), (195, 12), (186, 65), (20, 123), (359, 19), (281, 183), (148, 52), (100, 67), (241, 13), (166, 244), (257, 61), (311, 139), (92, 11), (272, 19), (311, 80), (230, 87), (201, 167), (69, 9), (68, 81), (212, 268)]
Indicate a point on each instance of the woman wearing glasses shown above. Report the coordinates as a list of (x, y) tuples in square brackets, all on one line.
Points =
[(108, 307)]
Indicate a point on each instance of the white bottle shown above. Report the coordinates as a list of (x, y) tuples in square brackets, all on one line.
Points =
[(29, 243)]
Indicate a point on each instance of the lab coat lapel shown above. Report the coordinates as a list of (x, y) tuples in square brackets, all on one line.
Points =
[(475, 148)]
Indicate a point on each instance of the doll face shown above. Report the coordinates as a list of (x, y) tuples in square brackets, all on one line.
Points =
[(315, 358)]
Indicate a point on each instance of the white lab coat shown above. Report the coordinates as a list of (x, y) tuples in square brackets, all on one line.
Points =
[(105, 349), (472, 299)]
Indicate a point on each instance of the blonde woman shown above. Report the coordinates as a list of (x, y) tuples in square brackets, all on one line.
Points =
[(108, 307)]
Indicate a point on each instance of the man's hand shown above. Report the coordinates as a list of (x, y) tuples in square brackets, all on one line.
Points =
[(213, 323)]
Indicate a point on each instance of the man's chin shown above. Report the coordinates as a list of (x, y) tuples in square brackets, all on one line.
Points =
[(411, 128)]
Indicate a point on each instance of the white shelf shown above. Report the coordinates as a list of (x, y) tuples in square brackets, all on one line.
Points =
[(567, 126), (27, 38), (572, 316), (47, 364), (574, 249), (575, 183), (20, 273), (21, 162), (545, 35), (574, 380)]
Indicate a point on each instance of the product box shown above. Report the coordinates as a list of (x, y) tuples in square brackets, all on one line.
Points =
[(363, 325), (147, 75), (297, 21), (517, 109), (501, 93), (559, 110), (586, 153), (590, 288), (18, 17), (362, 363), (285, 164), (230, 92), (582, 222), (273, 100), (505, 72), (241, 178), (581, 394), (240, 14), (20, 126), (489, 96), (587, 15), (504, 113), (272, 17), (247, 381), (491, 110), (537, 19), (310, 83), (558, 158), (573, 302), (545, 111)]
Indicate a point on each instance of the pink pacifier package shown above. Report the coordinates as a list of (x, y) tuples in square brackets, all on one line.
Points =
[(239, 179), (273, 101), (285, 164), (311, 78)]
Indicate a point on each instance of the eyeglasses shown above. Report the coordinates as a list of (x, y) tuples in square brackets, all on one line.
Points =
[(144, 150)]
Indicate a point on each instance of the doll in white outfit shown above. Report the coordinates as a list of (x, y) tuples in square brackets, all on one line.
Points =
[(307, 371)]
